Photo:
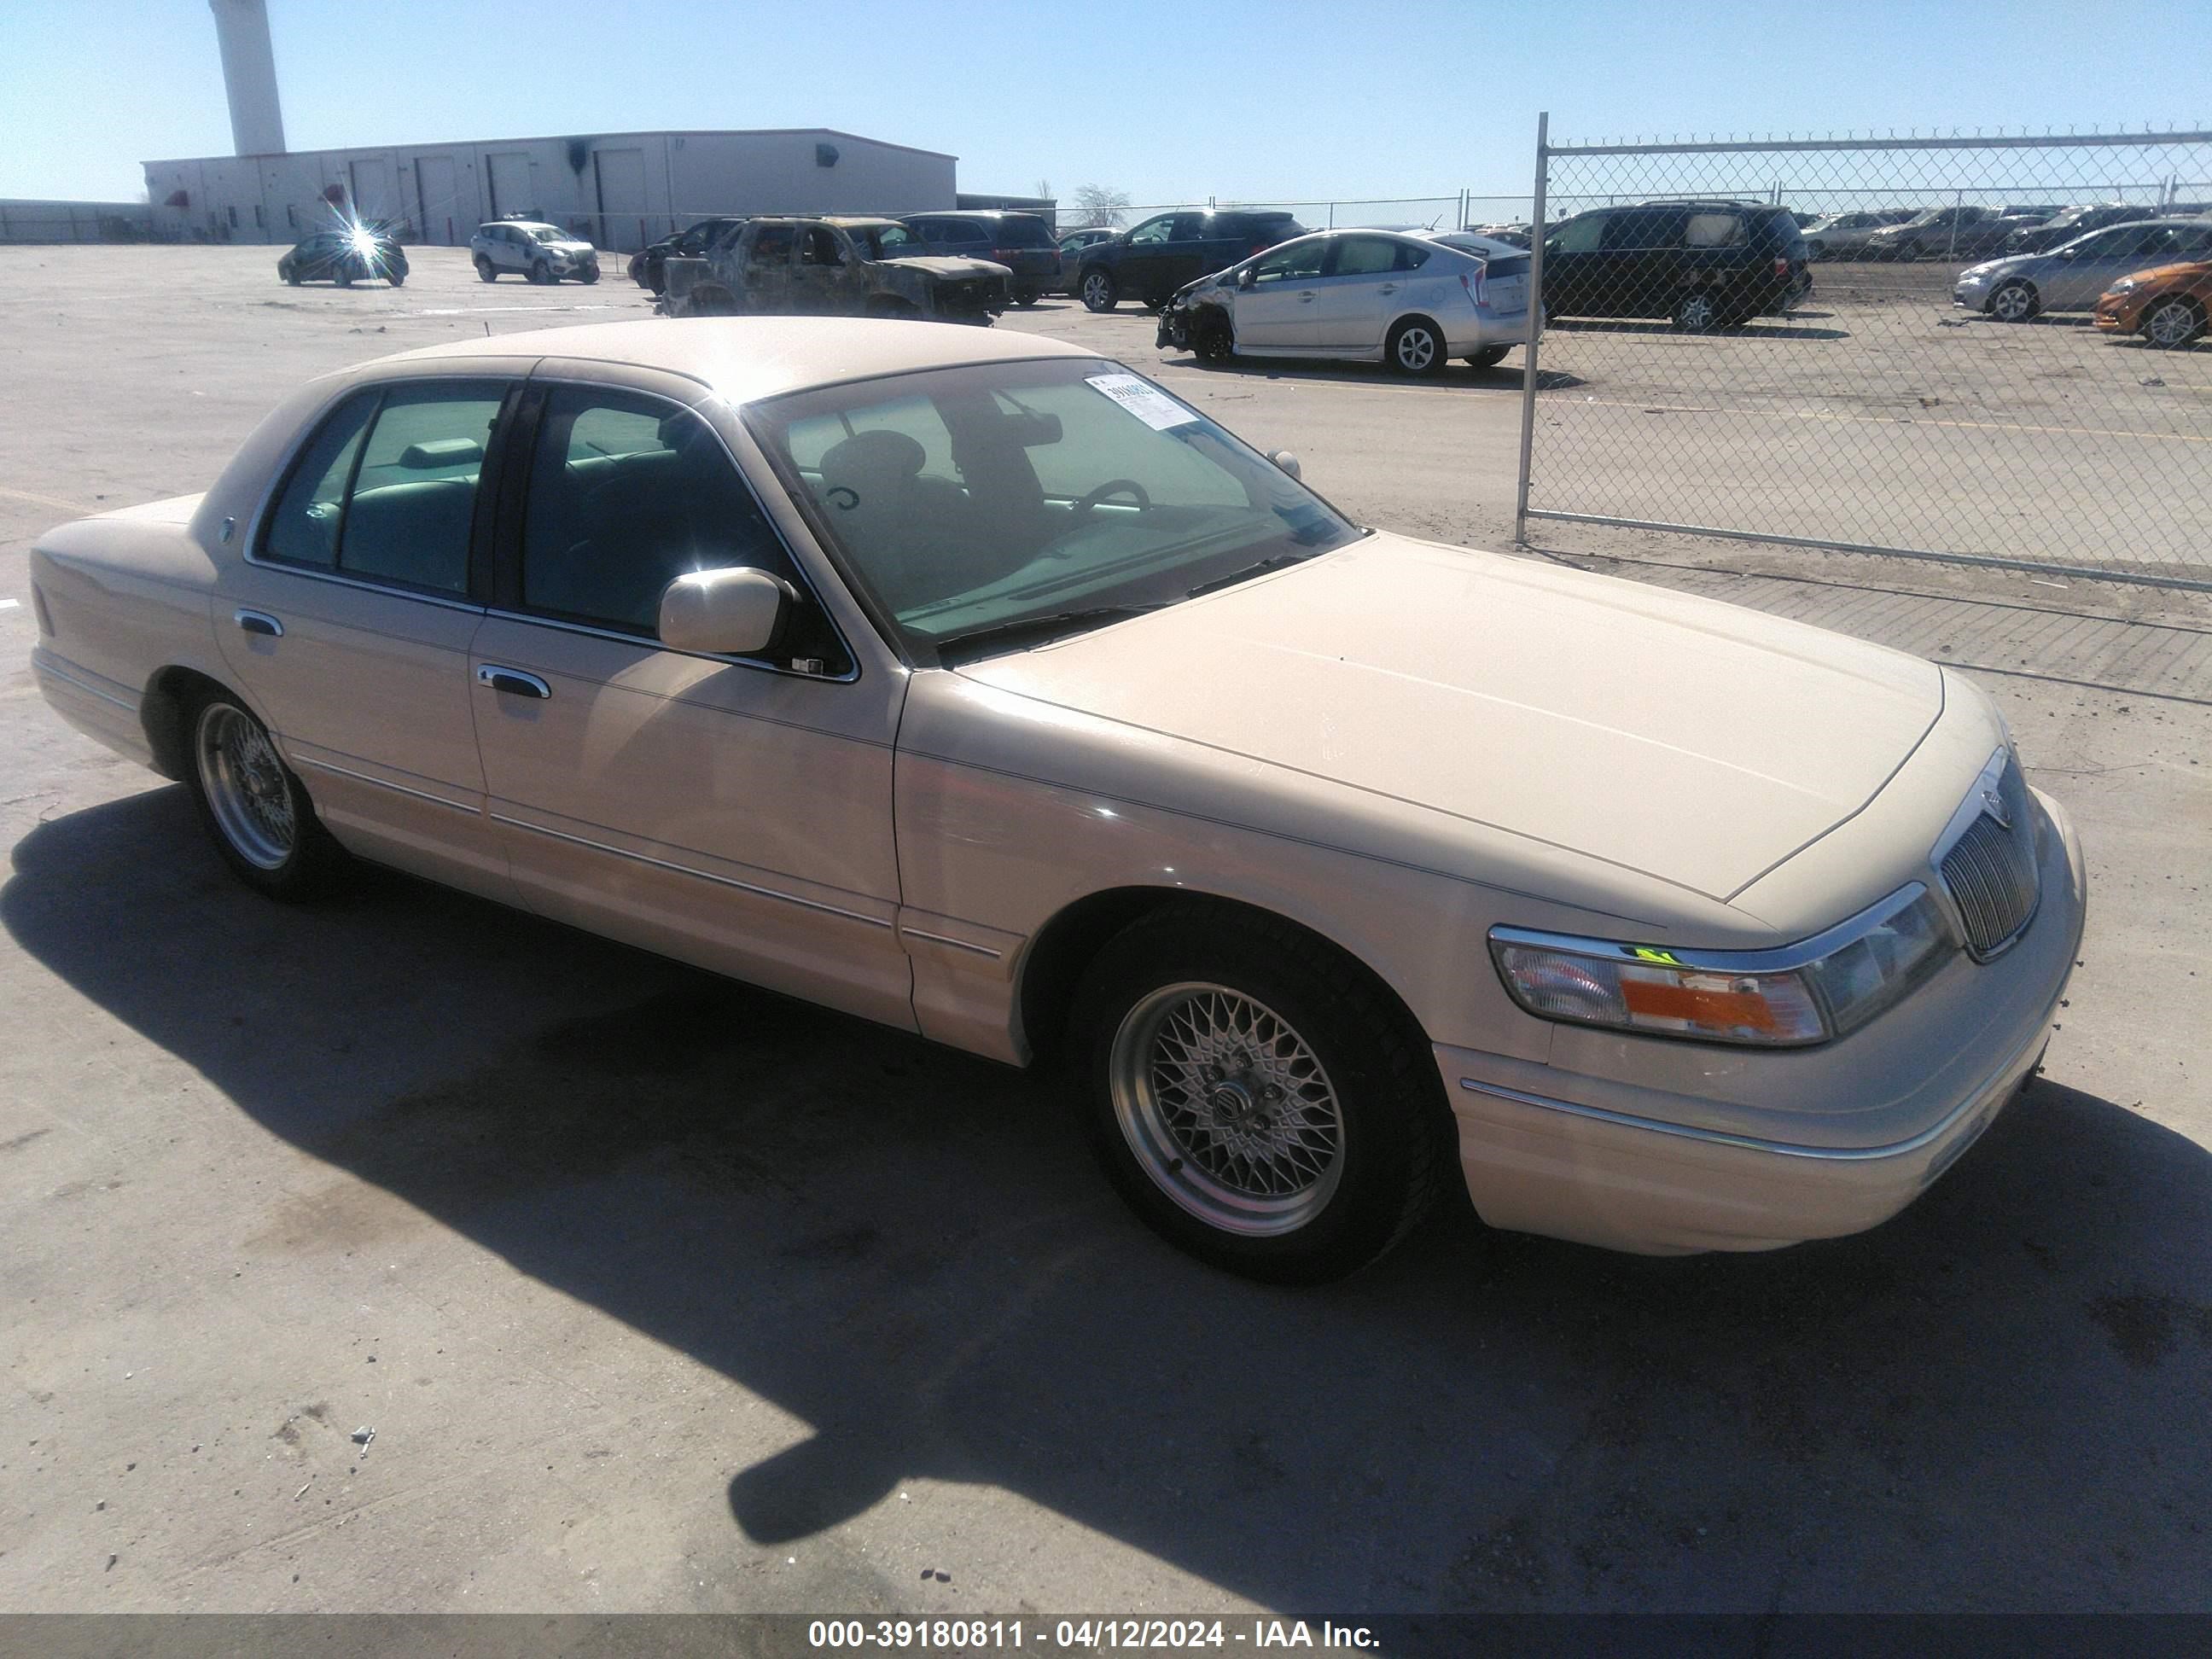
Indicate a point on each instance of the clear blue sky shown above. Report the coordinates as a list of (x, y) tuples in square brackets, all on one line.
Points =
[(1167, 100)]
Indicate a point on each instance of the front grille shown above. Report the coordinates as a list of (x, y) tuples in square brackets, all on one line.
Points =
[(1990, 870)]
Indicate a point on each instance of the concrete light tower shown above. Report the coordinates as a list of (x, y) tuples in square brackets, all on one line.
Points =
[(249, 75)]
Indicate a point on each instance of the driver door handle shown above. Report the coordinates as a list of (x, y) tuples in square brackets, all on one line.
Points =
[(1306, 298), (1388, 288)]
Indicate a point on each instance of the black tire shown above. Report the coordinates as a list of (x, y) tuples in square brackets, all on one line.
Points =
[(541, 273), (342, 277), (2172, 324), (1099, 290), (486, 271), (1394, 1141), (1488, 357), (314, 864), (1025, 296), (292, 276), (1212, 337), (1416, 347), (587, 277), (2015, 301), (1698, 312), (398, 279)]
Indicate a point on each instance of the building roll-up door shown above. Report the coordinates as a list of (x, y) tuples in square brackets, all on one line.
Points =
[(621, 199), (446, 219), (510, 183), (374, 199)]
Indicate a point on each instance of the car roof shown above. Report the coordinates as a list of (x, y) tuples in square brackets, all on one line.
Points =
[(746, 359)]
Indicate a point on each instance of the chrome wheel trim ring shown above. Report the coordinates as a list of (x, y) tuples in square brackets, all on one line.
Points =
[(2170, 323), (246, 790), (1227, 1110)]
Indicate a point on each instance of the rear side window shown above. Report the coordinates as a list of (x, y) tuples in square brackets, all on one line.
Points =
[(1021, 230), (1718, 230), (385, 491), (1364, 256)]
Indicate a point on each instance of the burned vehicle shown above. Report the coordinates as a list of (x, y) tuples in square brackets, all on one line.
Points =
[(833, 267)]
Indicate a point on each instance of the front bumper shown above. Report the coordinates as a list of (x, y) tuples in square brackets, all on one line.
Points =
[(1635, 1168), (1970, 295)]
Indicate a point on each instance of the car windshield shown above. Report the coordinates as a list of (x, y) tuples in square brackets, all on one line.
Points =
[(987, 497), (888, 242), (1927, 216)]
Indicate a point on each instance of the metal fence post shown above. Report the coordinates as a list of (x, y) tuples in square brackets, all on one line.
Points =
[(1535, 328)]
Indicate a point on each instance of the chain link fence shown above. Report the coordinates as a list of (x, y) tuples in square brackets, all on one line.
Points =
[(1986, 350), (1460, 210)]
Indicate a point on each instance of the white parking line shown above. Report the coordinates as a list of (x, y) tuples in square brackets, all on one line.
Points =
[(9, 604), (473, 311)]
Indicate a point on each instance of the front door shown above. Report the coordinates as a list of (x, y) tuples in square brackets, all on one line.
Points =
[(349, 624), (1573, 266), (1277, 310), (1144, 264), (733, 813), (767, 265)]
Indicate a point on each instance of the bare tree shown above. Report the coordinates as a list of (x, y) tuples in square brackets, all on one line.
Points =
[(1043, 191), (1100, 204)]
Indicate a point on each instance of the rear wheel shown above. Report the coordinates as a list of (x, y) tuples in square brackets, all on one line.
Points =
[(1100, 291), (1416, 346), (1697, 312), (487, 271), (2015, 302), (1025, 296), (1254, 1098), (588, 277), (254, 806), (2170, 323), (292, 274), (1488, 357)]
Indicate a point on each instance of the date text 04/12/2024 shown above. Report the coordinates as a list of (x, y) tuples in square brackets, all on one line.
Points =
[(1082, 1635)]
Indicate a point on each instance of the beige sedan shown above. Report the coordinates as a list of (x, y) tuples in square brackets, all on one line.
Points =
[(975, 684)]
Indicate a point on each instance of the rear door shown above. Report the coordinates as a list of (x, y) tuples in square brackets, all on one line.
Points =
[(768, 252), (1142, 269), (1357, 293), (349, 621), (1574, 267), (818, 273), (1643, 267)]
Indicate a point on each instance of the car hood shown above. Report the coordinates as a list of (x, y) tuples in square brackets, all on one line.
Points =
[(2180, 271), (570, 247), (953, 265), (1694, 742)]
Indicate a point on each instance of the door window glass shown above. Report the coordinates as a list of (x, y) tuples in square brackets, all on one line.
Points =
[(1364, 256), (413, 496), (818, 247), (1645, 229), (773, 246), (1579, 235), (304, 528), (1299, 261), (627, 493), (1152, 230), (1188, 227)]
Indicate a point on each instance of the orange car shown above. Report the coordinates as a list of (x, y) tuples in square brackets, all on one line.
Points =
[(2166, 305)]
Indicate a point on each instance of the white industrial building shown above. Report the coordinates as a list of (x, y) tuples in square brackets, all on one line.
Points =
[(620, 189)]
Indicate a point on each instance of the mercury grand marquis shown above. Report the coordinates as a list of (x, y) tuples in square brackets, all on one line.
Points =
[(975, 684)]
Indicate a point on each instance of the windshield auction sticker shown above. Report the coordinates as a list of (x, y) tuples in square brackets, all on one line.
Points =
[(1147, 403)]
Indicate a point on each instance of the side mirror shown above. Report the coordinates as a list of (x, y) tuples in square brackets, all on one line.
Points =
[(1285, 459), (1246, 277), (738, 611)]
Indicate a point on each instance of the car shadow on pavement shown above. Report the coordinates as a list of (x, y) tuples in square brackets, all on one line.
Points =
[(1763, 328), (1995, 1401)]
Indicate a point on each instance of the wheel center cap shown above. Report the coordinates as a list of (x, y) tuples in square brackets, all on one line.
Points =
[(1232, 1102)]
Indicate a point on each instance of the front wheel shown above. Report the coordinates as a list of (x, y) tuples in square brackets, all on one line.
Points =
[(2169, 324), (2015, 302), (254, 806), (1416, 346), (1253, 1098), (588, 277), (487, 271), (1100, 292), (398, 279), (1025, 296), (1488, 357), (541, 273), (1214, 339)]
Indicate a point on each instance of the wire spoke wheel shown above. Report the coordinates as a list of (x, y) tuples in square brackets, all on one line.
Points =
[(1227, 1109), (247, 793)]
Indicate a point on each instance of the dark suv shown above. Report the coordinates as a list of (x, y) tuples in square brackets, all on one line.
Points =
[(648, 267), (1152, 261), (1022, 242), (1706, 265)]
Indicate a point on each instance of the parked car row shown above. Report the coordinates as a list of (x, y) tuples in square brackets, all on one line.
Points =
[(2076, 275)]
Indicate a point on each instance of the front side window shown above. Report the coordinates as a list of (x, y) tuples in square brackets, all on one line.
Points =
[(773, 246), (627, 493), (992, 496), (1151, 231), (1582, 234), (1297, 261), (386, 492)]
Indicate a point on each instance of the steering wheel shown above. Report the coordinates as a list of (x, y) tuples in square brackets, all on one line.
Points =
[(1080, 510)]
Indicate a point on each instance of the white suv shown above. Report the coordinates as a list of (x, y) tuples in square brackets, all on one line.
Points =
[(542, 252)]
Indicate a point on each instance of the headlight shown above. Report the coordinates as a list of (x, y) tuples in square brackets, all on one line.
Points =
[(1801, 993), (2125, 285)]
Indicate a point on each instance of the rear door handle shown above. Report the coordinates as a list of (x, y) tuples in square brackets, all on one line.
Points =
[(1388, 288), (260, 621), (513, 681), (1306, 299)]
